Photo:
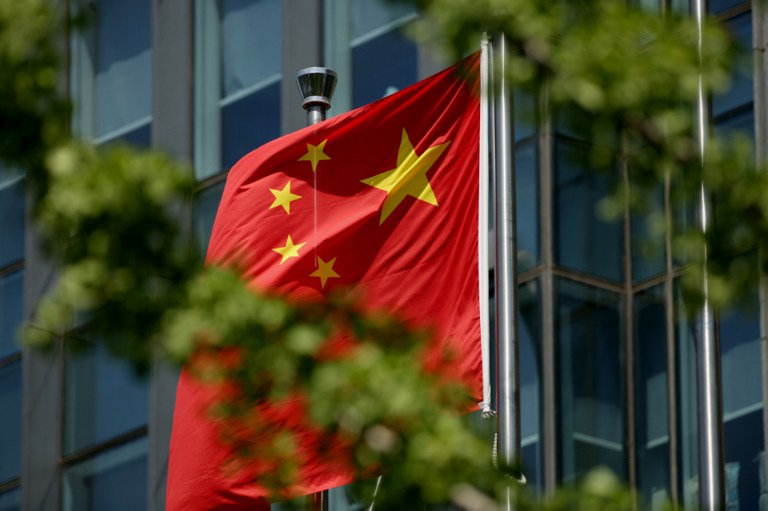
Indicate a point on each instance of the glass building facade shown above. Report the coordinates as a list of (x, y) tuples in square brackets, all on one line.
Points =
[(607, 356)]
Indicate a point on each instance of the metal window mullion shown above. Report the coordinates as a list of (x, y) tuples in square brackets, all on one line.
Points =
[(548, 381), (629, 353)]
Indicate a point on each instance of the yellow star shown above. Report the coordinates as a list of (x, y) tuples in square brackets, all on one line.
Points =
[(284, 197), (289, 250), (408, 178), (324, 271), (315, 154)]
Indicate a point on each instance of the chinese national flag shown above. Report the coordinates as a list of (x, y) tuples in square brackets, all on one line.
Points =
[(383, 199)]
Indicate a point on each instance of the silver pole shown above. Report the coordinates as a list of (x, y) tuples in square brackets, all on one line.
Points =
[(760, 33), (316, 86), (709, 398), (507, 360)]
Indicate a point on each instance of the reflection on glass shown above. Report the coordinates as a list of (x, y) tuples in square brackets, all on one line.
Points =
[(687, 420), (647, 235), (527, 205), (10, 420), (651, 385), (371, 80), (123, 66), (238, 70), (584, 241), (529, 328), (11, 311), (742, 405), (10, 500), (103, 398), (12, 215), (114, 480), (249, 122), (740, 92), (203, 215), (589, 343)]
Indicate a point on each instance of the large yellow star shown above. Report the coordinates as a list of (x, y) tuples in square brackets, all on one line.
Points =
[(408, 178), (315, 154), (284, 197), (324, 271), (289, 250)]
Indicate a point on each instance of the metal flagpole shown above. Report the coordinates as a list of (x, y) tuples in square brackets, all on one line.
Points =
[(316, 86), (709, 397), (507, 352)]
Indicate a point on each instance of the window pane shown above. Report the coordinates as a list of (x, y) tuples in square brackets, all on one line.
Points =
[(11, 311), (584, 241), (372, 15), (530, 397), (204, 213), (10, 500), (12, 215), (123, 64), (103, 399), (591, 387), (651, 385), (740, 91), (742, 405), (114, 480), (527, 205), (248, 123), (371, 80), (647, 231), (250, 43), (10, 421), (719, 6)]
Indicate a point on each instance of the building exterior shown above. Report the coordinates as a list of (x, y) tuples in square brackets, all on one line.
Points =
[(607, 357)]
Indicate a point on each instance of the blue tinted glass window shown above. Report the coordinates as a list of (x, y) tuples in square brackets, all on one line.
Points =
[(250, 44), (114, 480), (527, 205), (651, 386), (371, 80), (647, 235), (249, 122), (742, 405), (11, 216), (10, 420), (11, 311), (589, 343), (103, 399), (204, 213), (530, 395), (719, 6), (584, 240), (525, 115), (10, 500), (123, 65), (377, 15), (740, 122), (741, 89)]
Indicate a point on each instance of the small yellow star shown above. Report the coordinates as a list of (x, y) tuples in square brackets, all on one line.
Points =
[(284, 197), (408, 178), (315, 154), (324, 271), (289, 250)]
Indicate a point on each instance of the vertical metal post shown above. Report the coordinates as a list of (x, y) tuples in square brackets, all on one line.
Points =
[(711, 479), (316, 86), (508, 405), (760, 45)]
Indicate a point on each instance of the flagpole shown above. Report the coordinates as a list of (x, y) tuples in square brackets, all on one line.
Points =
[(316, 86), (709, 396), (507, 350)]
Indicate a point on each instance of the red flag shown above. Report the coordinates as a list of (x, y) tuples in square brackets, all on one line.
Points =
[(383, 199)]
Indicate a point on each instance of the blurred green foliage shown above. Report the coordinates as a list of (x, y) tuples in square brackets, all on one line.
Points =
[(625, 79)]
